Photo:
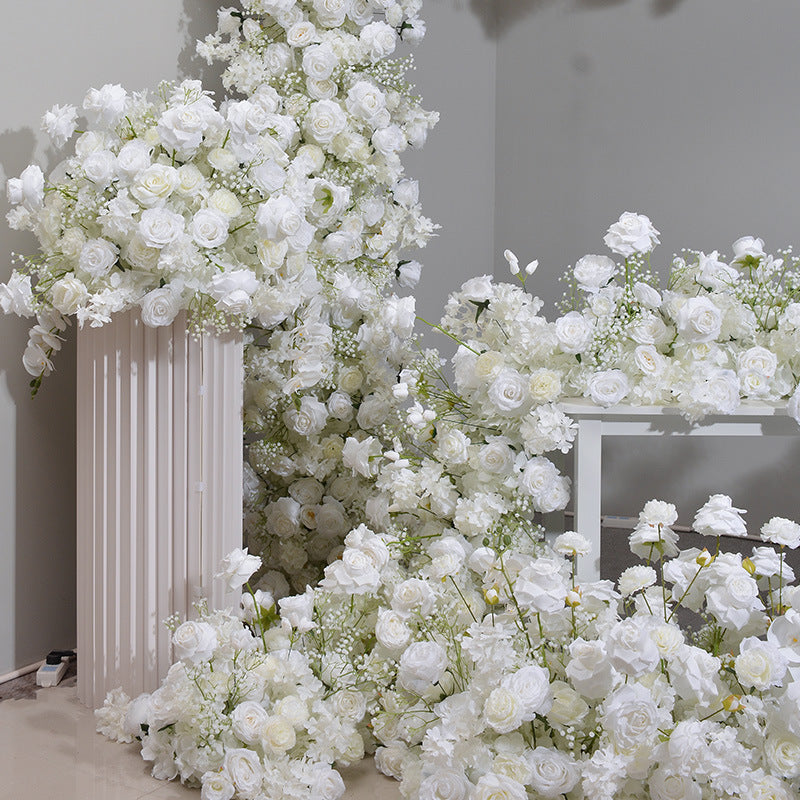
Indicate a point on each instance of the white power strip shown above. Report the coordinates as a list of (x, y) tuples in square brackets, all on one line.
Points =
[(51, 674)]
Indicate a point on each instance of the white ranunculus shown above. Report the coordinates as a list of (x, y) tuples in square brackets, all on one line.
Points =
[(194, 642), (247, 721), (159, 307), (573, 332), (553, 773), (593, 272), (544, 385), (209, 228), (244, 769), (699, 320), (421, 665), (632, 233), (608, 387), (781, 531), (159, 227), (97, 257)]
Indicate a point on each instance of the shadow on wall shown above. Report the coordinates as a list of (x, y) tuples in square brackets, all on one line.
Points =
[(498, 16), (198, 19)]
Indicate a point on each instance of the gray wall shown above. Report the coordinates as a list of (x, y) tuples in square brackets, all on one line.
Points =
[(684, 110)]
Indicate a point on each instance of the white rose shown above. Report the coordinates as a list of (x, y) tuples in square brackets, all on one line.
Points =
[(413, 596), (452, 447), (105, 106), (354, 573), (648, 360), (326, 783), (308, 419), (280, 219), (541, 586), (379, 39), (301, 34), (713, 273), (67, 294), (631, 650), (507, 391), (194, 642), (781, 531), (495, 457), (544, 385), (98, 167), (594, 272), (133, 157), (283, 517), (237, 567), (748, 247), (573, 332), (391, 630), (568, 708), (699, 320), (209, 228), (247, 721), (97, 257), (530, 685), (478, 289), (190, 180), (632, 233), (319, 61), (444, 785), (159, 227), (631, 718), (298, 611), (28, 189), (278, 734), (233, 289), (608, 387), (216, 786), (553, 773), (498, 787), (503, 711), (324, 120), (783, 754), (409, 273), (664, 785), (389, 140), (160, 307), (646, 295), (16, 296), (225, 202), (331, 13), (421, 665), (155, 184), (760, 664), (340, 406), (181, 129), (244, 769)]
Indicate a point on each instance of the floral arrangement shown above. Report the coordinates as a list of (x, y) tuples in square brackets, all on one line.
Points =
[(485, 671), (244, 213), (721, 332)]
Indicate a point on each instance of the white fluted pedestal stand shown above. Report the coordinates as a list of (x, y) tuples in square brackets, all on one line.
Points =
[(159, 491)]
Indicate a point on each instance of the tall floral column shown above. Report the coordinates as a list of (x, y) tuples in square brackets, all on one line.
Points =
[(159, 491)]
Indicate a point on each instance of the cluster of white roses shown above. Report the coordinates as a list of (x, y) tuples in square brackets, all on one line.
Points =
[(721, 332)]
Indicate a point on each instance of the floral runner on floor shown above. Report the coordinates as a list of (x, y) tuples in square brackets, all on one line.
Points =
[(405, 601)]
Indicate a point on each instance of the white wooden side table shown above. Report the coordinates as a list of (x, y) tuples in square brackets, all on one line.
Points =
[(595, 422)]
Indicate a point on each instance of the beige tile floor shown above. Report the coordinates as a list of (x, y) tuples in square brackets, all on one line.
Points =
[(49, 749)]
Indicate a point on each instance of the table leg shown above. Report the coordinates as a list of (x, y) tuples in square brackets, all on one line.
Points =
[(587, 488)]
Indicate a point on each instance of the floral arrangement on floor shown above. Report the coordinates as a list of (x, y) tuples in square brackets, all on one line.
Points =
[(721, 332), (483, 670)]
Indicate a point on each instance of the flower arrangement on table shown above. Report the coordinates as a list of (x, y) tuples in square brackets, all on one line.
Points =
[(719, 333)]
